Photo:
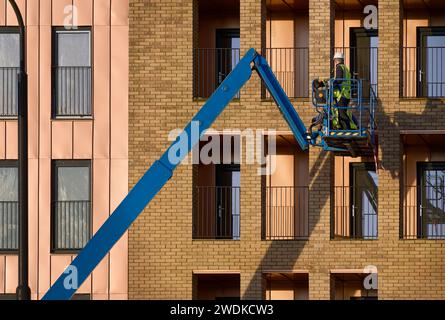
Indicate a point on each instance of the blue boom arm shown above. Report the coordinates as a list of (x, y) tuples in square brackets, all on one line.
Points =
[(162, 170)]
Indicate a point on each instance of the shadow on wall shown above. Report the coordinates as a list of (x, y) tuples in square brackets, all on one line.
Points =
[(430, 119), (288, 251)]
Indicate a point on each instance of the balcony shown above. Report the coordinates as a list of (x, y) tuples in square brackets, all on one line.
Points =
[(216, 212), (72, 224), (212, 65), (423, 72), (72, 96), (9, 226), (9, 91), (291, 67), (354, 213), (285, 213)]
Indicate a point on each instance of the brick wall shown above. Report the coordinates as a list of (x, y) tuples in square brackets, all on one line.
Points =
[(162, 254)]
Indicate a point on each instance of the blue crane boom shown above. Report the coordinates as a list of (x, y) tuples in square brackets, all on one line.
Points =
[(162, 170)]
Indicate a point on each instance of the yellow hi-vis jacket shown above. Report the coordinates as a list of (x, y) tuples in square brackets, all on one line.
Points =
[(346, 93), (345, 86)]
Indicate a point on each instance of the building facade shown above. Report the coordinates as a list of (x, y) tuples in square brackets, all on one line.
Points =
[(77, 62), (320, 226)]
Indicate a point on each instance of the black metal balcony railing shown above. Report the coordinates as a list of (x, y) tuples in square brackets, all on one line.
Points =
[(354, 213), (363, 64), (291, 67), (285, 213), (9, 225), (72, 91), (423, 215), (72, 224), (216, 213), (9, 92), (423, 72), (211, 67)]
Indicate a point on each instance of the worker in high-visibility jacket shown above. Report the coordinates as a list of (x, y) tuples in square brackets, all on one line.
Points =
[(342, 116)]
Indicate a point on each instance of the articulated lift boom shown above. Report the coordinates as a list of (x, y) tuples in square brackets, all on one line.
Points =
[(162, 170)]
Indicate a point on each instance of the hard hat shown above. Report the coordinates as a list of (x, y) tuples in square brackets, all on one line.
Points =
[(339, 55)]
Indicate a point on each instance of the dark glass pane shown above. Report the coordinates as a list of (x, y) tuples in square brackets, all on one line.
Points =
[(72, 207), (73, 183), (432, 203), (435, 68), (364, 202), (8, 207), (73, 49), (9, 50)]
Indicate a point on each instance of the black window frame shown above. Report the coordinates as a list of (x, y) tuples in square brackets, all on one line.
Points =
[(354, 33), (421, 63), (55, 64), (221, 56), (367, 166), (11, 30), (10, 164), (421, 167), (54, 191)]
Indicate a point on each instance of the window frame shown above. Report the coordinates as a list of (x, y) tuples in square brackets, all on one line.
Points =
[(220, 34), (10, 30), (55, 64), (54, 198), (10, 164), (421, 167), (353, 166), (354, 34), (421, 63)]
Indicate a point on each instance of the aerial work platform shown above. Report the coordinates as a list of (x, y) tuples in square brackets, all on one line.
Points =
[(342, 142), (360, 141)]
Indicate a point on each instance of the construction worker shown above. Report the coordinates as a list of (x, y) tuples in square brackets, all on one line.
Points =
[(342, 117)]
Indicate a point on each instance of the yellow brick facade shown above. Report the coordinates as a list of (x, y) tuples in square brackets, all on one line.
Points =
[(162, 253)]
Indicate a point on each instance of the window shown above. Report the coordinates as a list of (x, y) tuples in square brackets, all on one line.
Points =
[(216, 193), (217, 45), (228, 182), (285, 192), (431, 62), (364, 54), (430, 200), (71, 209), (8, 206), (364, 182), (228, 46), (9, 69), (355, 201), (72, 73)]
